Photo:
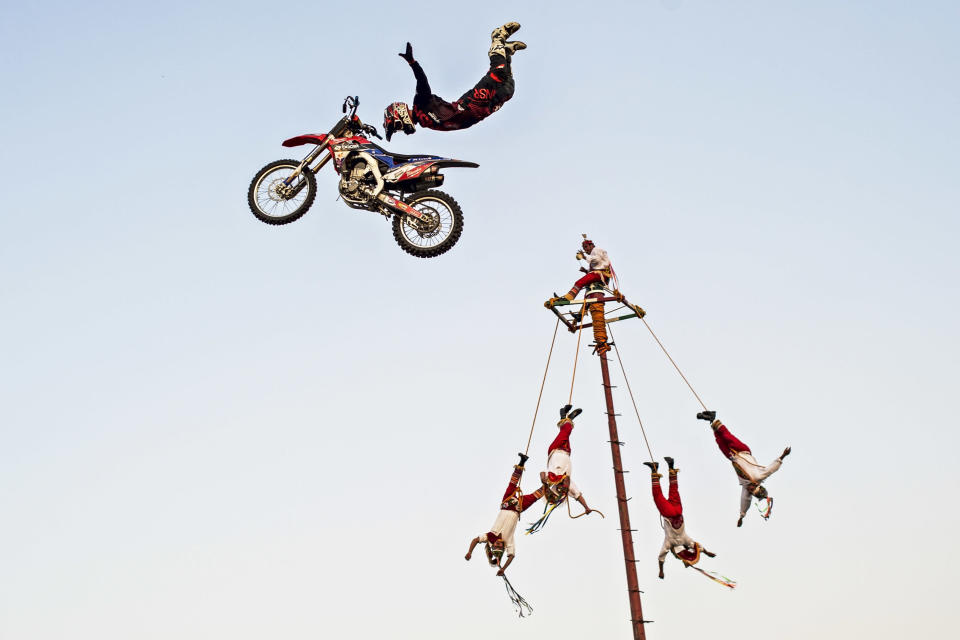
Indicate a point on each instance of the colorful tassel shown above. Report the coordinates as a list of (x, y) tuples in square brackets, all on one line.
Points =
[(520, 604), (716, 577), (542, 521)]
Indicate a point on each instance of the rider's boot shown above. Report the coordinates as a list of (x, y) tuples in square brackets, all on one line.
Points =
[(513, 47), (505, 31)]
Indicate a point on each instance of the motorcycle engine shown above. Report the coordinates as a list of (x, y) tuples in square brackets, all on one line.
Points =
[(359, 184)]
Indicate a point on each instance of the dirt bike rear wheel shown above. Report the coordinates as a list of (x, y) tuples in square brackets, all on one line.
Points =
[(272, 201), (437, 234)]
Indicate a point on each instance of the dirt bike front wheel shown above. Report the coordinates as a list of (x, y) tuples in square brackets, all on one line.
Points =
[(274, 201), (437, 232)]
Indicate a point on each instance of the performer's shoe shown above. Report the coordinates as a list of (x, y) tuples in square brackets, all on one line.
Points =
[(654, 466), (504, 32), (523, 458), (564, 410), (513, 47), (740, 521), (709, 416), (670, 463), (573, 414), (549, 304)]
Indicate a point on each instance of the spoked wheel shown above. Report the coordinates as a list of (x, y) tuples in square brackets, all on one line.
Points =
[(437, 233), (275, 202)]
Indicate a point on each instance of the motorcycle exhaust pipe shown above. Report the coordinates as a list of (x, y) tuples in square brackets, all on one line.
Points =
[(431, 181), (399, 206)]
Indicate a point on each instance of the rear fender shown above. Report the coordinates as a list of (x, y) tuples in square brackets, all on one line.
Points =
[(412, 170), (440, 164)]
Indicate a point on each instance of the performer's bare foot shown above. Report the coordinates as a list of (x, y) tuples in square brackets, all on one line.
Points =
[(785, 453), (661, 574), (740, 521)]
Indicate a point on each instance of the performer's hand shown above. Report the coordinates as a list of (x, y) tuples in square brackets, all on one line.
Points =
[(740, 521), (580, 255), (583, 269), (500, 573), (588, 510), (468, 556), (408, 54)]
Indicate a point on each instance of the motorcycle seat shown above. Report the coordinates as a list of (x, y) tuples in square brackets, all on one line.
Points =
[(400, 158)]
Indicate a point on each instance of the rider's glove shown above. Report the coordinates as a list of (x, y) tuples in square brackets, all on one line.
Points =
[(408, 55)]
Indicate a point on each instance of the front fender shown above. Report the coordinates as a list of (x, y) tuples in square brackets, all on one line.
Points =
[(307, 138)]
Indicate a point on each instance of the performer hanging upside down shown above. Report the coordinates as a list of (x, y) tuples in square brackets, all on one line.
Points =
[(675, 538), (750, 472), (488, 95), (556, 480), (500, 537)]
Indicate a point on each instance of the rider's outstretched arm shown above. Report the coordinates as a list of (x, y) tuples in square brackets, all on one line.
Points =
[(423, 86)]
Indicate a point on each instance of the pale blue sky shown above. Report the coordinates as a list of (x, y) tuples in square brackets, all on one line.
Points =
[(210, 427)]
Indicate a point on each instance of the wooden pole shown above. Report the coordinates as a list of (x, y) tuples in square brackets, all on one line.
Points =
[(626, 533)]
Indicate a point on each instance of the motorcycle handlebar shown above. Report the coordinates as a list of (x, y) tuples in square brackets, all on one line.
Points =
[(351, 102)]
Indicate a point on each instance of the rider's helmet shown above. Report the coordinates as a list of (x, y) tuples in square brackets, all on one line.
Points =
[(396, 117)]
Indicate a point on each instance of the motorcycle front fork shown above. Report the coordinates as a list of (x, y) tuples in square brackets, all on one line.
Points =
[(324, 154)]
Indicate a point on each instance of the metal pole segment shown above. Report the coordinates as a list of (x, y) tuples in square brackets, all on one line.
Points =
[(629, 561)]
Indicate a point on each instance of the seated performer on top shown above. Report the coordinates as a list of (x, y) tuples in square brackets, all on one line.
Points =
[(599, 271), (750, 472), (675, 538), (488, 95), (556, 480), (500, 537)]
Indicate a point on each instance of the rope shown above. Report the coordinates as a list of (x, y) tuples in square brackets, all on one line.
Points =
[(673, 363), (539, 397), (576, 354), (570, 513), (630, 391)]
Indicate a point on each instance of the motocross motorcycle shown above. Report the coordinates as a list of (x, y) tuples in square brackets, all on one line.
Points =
[(426, 222)]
